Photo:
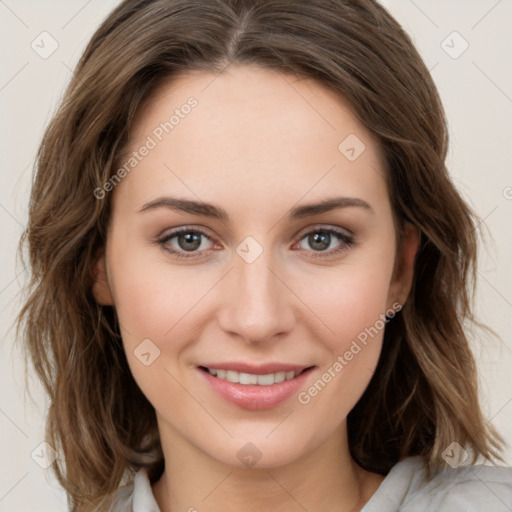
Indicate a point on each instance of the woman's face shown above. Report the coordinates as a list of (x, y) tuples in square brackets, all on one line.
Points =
[(220, 256)]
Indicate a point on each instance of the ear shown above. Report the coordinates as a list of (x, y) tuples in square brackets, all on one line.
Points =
[(403, 273), (101, 288)]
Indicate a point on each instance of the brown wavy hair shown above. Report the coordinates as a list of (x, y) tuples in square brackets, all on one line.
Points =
[(423, 394)]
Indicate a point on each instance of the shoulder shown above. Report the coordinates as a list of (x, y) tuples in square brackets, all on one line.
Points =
[(136, 496), (464, 489), (470, 488)]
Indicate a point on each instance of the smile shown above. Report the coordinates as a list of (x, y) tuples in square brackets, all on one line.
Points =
[(252, 379), (256, 391)]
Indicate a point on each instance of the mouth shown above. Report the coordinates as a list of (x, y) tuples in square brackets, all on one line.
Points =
[(254, 379), (255, 388)]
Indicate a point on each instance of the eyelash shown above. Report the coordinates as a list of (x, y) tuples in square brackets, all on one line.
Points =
[(346, 241)]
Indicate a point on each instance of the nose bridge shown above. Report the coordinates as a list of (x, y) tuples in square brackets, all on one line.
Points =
[(257, 305)]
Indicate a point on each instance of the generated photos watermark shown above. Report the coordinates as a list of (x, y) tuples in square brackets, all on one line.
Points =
[(151, 142), (304, 397)]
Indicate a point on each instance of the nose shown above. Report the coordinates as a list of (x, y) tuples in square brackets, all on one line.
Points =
[(257, 302)]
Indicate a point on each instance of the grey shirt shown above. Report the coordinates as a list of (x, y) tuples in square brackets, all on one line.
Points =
[(405, 489)]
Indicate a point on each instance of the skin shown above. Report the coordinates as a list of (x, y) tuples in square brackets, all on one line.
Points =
[(259, 143)]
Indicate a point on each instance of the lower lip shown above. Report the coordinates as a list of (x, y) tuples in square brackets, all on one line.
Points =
[(254, 397)]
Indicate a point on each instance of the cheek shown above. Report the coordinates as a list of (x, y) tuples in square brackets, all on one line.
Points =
[(157, 311), (168, 306), (349, 300), (351, 303), (354, 310), (150, 296)]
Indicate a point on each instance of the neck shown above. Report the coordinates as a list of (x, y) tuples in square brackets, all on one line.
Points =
[(326, 478)]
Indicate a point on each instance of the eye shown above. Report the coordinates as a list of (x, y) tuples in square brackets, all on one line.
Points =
[(186, 240), (321, 241)]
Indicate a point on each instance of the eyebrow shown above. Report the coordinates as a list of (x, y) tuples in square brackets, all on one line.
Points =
[(297, 212)]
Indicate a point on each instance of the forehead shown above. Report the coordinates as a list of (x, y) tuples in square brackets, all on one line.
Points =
[(255, 132)]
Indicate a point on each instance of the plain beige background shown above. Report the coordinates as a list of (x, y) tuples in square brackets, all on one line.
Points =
[(473, 71)]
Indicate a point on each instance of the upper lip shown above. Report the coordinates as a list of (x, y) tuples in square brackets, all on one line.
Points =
[(260, 369)]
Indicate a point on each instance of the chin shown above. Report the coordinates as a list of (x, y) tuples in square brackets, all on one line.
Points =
[(259, 452)]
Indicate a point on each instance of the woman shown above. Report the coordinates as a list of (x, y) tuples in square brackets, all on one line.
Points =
[(251, 269)]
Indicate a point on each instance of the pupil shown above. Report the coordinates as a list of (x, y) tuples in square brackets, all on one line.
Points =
[(189, 238), (320, 240)]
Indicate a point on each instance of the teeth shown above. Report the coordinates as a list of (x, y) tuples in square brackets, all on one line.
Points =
[(232, 376), (248, 378), (279, 377)]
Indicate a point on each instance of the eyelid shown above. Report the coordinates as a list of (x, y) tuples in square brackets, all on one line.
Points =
[(184, 229), (323, 227)]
